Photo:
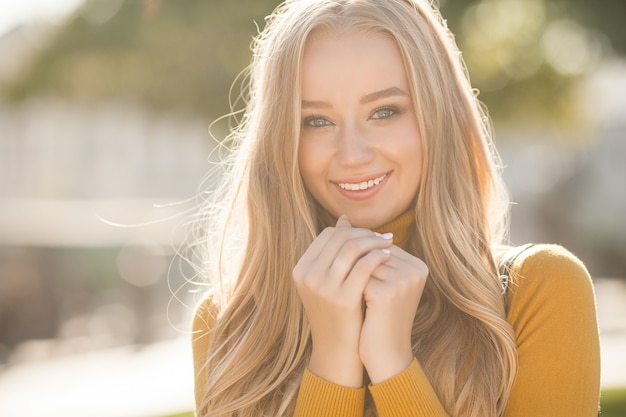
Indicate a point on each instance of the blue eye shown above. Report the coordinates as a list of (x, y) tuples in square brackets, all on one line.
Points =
[(384, 113), (315, 121)]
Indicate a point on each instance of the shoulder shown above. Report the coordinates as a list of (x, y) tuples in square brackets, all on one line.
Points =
[(548, 264), (551, 309), (547, 276)]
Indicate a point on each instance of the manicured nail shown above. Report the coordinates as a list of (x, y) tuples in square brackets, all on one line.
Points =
[(387, 235), (387, 251)]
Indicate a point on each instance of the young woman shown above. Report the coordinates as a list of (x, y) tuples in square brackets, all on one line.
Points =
[(358, 236)]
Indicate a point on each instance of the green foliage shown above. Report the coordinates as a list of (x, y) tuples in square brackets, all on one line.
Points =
[(525, 56), (613, 402), (606, 16), (181, 54)]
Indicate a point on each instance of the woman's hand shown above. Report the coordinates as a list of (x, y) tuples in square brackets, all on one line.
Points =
[(392, 296), (331, 278)]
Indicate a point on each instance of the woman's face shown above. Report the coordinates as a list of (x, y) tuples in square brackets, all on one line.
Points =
[(360, 147)]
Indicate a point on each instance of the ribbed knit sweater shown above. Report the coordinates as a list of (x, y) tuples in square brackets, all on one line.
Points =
[(551, 308)]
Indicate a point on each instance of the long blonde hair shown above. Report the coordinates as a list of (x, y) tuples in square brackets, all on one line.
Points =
[(260, 343)]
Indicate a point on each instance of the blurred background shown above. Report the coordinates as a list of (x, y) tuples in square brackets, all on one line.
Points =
[(105, 108)]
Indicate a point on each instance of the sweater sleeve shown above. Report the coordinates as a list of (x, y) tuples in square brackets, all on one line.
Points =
[(552, 311), (320, 398), (408, 394)]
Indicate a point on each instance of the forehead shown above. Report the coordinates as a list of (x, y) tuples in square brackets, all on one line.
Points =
[(351, 41), (349, 57)]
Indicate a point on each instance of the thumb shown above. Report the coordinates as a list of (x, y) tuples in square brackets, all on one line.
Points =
[(343, 221)]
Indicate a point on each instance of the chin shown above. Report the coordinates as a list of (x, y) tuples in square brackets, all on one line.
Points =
[(367, 222)]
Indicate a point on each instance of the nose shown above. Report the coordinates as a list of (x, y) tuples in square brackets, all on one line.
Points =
[(353, 145)]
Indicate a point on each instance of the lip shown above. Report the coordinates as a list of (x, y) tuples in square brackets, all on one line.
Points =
[(362, 194)]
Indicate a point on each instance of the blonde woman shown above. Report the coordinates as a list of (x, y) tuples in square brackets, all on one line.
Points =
[(354, 270)]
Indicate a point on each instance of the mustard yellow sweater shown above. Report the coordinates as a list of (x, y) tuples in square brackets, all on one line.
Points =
[(552, 310)]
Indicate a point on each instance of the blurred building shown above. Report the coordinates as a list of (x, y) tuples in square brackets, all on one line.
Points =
[(91, 200)]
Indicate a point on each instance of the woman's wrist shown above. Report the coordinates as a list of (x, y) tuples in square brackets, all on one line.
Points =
[(387, 367), (341, 367)]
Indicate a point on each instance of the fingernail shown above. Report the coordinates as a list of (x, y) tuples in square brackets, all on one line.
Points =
[(387, 251), (387, 235)]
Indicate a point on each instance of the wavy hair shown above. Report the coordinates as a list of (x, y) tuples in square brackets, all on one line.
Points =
[(260, 343)]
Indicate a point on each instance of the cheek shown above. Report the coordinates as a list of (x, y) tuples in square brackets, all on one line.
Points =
[(407, 148), (409, 155), (306, 161)]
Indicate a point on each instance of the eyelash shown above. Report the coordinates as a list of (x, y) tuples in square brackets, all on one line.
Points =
[(394, 111), (308, 122)]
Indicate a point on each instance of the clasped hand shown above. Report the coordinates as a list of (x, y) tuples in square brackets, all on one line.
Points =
[(360, 294)]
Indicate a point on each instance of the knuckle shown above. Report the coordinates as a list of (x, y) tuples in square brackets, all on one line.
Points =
[(300, 271), (297, 272), (375, 257), (327, 231), (368, 262), (351, 246), (305, 277), (419, 270), (423, 268), (342, 233)]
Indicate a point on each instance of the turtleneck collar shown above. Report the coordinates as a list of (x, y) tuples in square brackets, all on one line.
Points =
[(401, 226)]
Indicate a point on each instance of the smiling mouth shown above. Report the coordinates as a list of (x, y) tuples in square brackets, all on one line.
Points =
[(360, 186)]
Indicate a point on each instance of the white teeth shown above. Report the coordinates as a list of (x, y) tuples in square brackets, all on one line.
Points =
[(362, 185)]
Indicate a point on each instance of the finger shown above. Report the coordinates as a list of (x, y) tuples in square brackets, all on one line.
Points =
[(313, 251), (343, 221), (400, 268), (401, 255), (343, 245), (354, 249), (363, 269), (385, 271), (372, 287), (321, 241)]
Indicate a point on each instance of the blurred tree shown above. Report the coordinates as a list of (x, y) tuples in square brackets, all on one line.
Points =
[(524, 56), (606, 16), (180, 55)]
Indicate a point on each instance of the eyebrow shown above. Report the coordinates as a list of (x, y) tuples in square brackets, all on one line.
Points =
[(388, 92), (368, 98)]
